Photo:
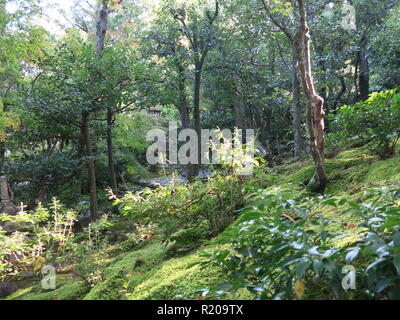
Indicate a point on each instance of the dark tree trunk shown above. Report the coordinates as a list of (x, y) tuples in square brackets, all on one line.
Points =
[(110, 151), (239, 108), (339, 95), (184, 113), (42, 194), (3, 108), (183, 103), (101, 31), (2, 155), (296, 107), (363, 78), (101, 28), (199, 45), (315, 103), (79, 175), (239, 113), (91, 167), (194, 169)]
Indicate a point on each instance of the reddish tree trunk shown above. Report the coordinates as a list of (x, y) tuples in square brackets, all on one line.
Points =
[(315, 103)]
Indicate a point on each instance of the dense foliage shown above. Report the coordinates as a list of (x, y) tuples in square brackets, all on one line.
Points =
[(316, 81), (190, 212), (375, 120), (287, 252)]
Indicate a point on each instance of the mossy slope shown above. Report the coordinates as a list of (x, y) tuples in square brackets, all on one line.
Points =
[(158, 276)]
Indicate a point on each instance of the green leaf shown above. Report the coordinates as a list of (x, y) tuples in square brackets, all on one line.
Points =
[(375, 263), (259, 288), (384, 283), (396, 238), (396, 262), (352, 254), (318, 266), (301, 268)]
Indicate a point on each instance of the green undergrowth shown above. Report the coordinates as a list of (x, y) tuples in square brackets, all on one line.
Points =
[(149, 271), (350, 173)]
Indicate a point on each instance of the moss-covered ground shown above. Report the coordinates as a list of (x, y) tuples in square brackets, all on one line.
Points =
[(149, 271)]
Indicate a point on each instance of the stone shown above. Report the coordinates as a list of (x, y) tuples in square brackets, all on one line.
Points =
[(6, 204), (7, 288), (81, 223), (26, 274), (10, 227)]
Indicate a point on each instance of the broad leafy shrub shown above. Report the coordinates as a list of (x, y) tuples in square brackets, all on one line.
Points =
[(36, 170), (376, 120), (188, 206), (287, 253)]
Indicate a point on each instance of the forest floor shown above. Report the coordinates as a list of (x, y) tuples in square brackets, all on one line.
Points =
[(154, 270)]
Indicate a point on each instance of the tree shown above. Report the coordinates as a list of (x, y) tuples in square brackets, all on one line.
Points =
[(296, 104), (164, 41), (384, 52), (21, 46), (101, 31), (199, 31), (315, 103)]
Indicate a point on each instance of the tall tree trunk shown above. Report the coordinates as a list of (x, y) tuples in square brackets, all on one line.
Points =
[(339, 95), (110, 151), (315, 103), (363, 78), (79, 175), (183, 103), (239, 112), (42, 194), (91, 167), (101, 28), (194, 169), (2, 155), (296, 107), (184, 113), (3, 108), (101, 31)]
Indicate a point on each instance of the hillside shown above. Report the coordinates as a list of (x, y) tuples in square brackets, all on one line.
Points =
[(153, 270), (199, 150)]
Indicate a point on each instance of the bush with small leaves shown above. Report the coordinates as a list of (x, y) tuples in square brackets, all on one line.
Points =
[(375, 121)]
